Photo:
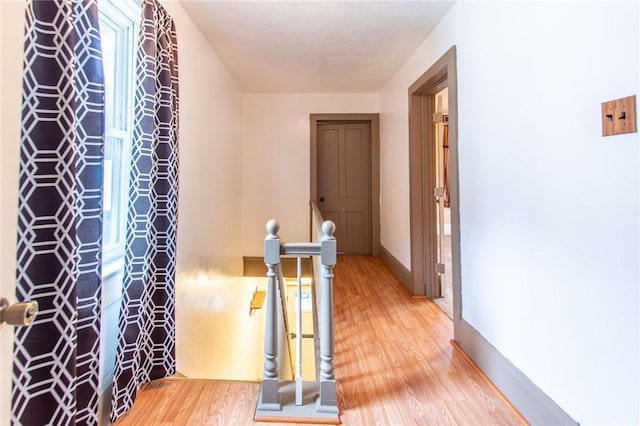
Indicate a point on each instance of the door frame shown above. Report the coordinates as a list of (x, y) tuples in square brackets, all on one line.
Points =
[(374, 123), (422, 179)]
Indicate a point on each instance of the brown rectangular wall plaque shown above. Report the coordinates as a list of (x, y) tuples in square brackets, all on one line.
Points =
[(619, 116)]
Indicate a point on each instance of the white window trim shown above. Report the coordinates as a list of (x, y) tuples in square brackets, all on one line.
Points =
[(124, 17)]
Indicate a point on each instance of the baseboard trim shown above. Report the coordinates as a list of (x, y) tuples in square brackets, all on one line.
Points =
[(396, 267), (255, 267), (533, 404), (504, 399)]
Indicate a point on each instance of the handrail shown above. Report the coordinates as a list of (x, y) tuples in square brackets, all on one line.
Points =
[(316, 222), (272, 387), (300, 249)]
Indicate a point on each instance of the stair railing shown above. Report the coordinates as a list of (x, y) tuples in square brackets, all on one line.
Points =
[(273, 400)]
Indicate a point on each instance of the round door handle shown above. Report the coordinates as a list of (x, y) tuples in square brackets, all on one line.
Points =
[(322, 199)]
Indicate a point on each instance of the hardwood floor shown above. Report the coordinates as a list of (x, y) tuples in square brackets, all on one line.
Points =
[(395, 365)]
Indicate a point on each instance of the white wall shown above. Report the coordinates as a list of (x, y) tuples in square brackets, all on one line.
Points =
[(210, 199), (276, 158), (11, 32), (549, 208), (4, 341), (210, 155)]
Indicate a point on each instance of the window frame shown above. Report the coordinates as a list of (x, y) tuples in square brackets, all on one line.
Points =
[(122, 19)]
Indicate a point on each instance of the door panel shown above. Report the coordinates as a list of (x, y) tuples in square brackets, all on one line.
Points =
[(345, 183), (354, 229), (354, 185), (330, 158)]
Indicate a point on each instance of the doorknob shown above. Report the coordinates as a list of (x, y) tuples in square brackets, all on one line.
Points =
[(322, 199), (18, 314)]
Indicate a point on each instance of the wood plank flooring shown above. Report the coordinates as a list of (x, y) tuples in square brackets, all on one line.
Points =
[(395, 365)]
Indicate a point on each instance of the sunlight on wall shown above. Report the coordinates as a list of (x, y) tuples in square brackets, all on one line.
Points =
[(216, 337)]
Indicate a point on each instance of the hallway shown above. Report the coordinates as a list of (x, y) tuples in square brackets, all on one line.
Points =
[(394, 364)]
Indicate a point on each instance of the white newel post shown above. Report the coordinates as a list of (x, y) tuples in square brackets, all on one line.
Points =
[(327, 403), (269, 396)]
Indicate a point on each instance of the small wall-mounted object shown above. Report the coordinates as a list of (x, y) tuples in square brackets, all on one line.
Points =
[(619, 116), (256, 301)]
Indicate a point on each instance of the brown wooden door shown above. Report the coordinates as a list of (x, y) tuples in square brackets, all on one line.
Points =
[(344, 183)]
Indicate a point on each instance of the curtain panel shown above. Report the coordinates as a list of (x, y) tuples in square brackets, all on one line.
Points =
[(146, 342), (56, 366)]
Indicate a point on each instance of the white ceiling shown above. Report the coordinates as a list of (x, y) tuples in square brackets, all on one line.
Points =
[(315, 46)]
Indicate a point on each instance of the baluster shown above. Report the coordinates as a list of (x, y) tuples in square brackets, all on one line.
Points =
[(299, 380), (327, 403), (269, 396)]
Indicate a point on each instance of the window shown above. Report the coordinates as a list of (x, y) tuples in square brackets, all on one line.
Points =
[(118, 27)]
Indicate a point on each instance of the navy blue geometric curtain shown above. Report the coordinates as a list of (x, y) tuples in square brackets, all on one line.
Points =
[(55, 376), (146, 342)]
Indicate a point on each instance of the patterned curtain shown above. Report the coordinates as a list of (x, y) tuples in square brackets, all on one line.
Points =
[(55, 373), (146, 342)]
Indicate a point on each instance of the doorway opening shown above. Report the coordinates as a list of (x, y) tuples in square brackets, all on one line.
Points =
[(345, 177), (434, 199), (443, 203)]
